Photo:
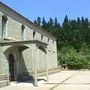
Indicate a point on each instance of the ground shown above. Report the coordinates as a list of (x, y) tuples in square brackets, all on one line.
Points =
[(64, 80)]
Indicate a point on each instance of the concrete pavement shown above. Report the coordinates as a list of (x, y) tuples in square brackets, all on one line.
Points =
[(64, 80), (80, 81)]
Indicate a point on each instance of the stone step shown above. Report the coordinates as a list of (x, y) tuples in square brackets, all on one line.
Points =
[(50, 72), (3, 83)]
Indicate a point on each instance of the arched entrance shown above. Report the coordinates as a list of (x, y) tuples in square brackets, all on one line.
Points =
[(22, 58), (16, 62), (11, 67)]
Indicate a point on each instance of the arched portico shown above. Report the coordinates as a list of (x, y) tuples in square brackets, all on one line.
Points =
[(24, 54), (14, 55)]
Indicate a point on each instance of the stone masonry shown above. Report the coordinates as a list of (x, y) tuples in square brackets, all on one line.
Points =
[(25, 48)]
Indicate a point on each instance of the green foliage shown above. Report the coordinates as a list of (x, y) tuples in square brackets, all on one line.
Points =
[(73, 40), (38, 21), (74, 59)]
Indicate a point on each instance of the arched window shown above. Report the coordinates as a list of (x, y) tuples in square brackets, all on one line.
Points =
[(34, 34), (4, 26), (23, 32)]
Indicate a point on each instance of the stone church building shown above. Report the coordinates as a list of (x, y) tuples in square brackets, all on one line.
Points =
[(25, 49)]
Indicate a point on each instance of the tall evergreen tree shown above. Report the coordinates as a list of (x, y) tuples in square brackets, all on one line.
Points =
[(50, 22), (44, 23), (39, 21), (66, 23), (56, 22)]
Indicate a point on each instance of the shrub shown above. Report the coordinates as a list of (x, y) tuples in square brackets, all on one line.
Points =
[(73, 59)]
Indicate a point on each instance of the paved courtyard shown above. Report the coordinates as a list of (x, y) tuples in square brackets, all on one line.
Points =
[(64, 80)]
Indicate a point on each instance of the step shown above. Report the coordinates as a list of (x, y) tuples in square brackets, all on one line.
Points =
[(50, 72), (3, 83)]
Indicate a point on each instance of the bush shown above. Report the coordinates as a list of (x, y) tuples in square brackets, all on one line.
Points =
[(73, 59)]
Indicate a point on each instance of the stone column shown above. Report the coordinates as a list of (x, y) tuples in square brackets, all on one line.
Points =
[(46, 67), (0, 25), (34, 57), (3, 62), (4, 68)]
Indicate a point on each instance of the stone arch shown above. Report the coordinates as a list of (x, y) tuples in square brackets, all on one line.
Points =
[(13, 55), (6, 48)]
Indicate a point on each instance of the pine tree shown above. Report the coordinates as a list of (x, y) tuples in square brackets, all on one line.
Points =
[(44, 23), (50, 22), (39, 21), (56, 22), (66, 23)]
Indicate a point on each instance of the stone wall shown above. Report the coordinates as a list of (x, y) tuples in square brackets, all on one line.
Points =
[(14, 33)]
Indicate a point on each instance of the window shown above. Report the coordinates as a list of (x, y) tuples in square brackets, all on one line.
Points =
[(41, 37), (4, 22), (22, 32), (34, 34)]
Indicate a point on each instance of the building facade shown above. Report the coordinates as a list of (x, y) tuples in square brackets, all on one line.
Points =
[(25, 48)]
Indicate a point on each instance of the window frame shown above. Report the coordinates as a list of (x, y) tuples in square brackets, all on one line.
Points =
[(23, 31), (4, 26), (34, 33)]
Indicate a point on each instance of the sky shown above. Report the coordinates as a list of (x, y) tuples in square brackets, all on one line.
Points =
[(31, 9)]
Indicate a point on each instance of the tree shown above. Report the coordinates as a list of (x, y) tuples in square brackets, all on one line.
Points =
[(35, 21), (65, 23), (73, 40), (50, 22), (44, 23), (39, 21), (56, 22)]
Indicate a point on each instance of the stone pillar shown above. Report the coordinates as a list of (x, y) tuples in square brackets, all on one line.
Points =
[(4, 68), (3, 62), (0, 25), (46, 67), (34, 57)]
